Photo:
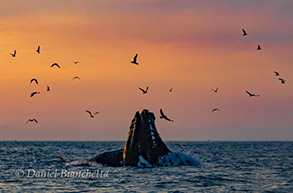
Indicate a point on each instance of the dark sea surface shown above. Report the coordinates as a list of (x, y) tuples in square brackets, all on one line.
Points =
[(224, 167)]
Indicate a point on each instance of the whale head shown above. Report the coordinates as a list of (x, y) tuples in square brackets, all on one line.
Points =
[(143, 140)]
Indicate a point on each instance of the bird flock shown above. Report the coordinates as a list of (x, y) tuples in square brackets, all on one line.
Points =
[(144, 91), (34, 80), (92, 115), (248, 92)]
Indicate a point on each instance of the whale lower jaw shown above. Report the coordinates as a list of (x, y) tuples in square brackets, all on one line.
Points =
[(111, 158), (143, 147)]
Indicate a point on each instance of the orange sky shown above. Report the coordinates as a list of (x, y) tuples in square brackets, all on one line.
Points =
[(191, 46)]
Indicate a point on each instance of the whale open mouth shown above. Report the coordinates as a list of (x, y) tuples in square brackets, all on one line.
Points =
[(144, 148)]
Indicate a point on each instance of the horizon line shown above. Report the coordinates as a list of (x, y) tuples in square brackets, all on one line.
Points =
[(165, 141)]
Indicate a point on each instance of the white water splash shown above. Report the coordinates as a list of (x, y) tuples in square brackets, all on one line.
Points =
[(177, 159)]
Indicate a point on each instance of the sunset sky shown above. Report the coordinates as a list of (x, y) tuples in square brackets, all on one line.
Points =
[(190, 46)]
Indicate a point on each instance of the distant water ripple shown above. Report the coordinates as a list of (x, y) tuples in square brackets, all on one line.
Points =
[(224, 167)]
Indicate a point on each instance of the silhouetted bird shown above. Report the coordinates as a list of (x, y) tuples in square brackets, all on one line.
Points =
[(258, 47), (215, 90), (55, 64), (38, 50), (36, 81), (282, 80), (34, 93), (61, 158), (31, 120), (236, 166), (144, 91), (171, 90), (251, 95), (244, 32), (76, 77), (48, 89), (75, 62), (276, 73), (215, 109), (163, 116), (14, 54), (92, 115), (178, 145), (135, 60)]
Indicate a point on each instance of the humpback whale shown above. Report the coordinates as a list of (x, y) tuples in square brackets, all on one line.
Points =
[(143, 148), (144, 145)]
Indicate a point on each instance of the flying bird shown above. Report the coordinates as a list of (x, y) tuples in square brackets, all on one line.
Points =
[(215, 109), (277, 73), (92, 115), (244, 32), (61, 159), (134, 61), (171, 90), (163, 116), (48, 89), (251, 95), (36, 81), (144, 91), (38, 50), (34, 93), (31, 120), (236, 166), (14, 54), (258, 47), (282, 80), (55, 64), (215, 90), (76, 77), (75, 62)]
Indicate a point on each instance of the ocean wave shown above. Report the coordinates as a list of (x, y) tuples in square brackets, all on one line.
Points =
[(171, 159), (80, 163)]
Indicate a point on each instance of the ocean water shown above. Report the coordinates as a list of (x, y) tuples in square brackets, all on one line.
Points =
[(219, 167)]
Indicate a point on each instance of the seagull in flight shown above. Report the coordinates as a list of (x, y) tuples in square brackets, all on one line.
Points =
[(134, 61), (61, 159), (163, 116), (36, 81), (92, 115), (75, 62), (236, 166), (55, 64), (34, 93), (48, 89), (38, 50), (277, 73), (244, 32), (32, 120), (14, 54), (76, 77), (171, 90), (258, 47), (282, 80), (144, 91), (215, 90), (251, 95), (215, 109)]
